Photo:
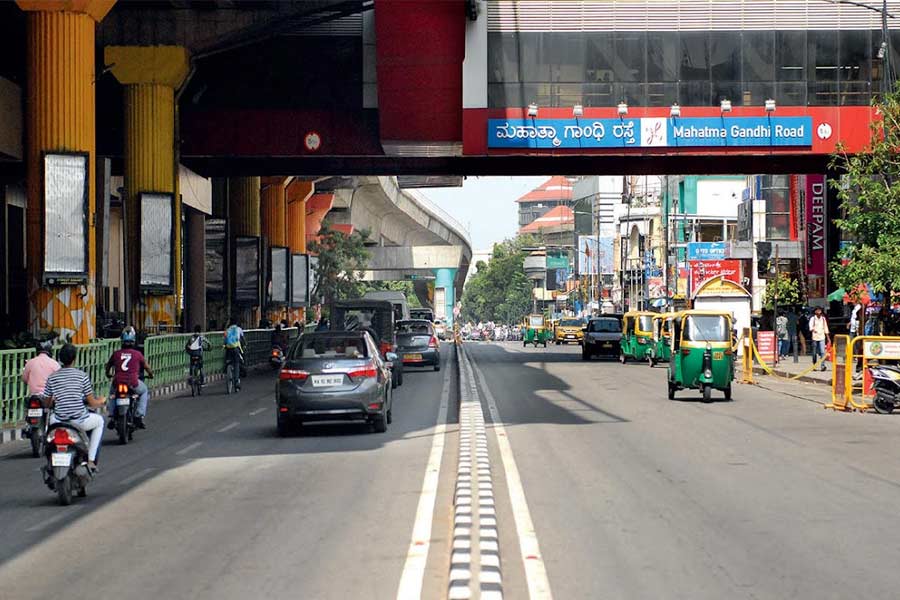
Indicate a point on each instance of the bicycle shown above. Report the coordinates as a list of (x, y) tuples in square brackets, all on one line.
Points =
[(233, 373), (196, 375)]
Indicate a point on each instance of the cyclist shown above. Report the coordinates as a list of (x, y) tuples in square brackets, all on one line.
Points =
[(234, 355), (195, 347), (124, 367)]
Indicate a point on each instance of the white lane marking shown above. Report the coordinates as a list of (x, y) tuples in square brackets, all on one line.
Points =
[(253, 413), (54, 519), (535, 571), (228, 427), (187, 449), (136, 476), (420, 542)]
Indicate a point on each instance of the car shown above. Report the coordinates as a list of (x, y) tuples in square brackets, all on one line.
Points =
[(334, 377), (417, 345), (440, 329), (376, 317), (602, 337), (568, 331)]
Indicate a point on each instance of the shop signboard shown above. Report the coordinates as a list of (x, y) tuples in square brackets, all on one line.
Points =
[(816, 193), (882, 350), (765, 346), (707, 250), (702, 270)]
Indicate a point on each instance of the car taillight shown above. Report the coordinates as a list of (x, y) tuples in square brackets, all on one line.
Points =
[(433, 342), (368, 371), (293, 374), (385, 348), (61, 437)]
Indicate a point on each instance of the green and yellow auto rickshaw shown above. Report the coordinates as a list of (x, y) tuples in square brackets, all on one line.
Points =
[(537, 330), (637, 336), (661, 349), (701, 357)]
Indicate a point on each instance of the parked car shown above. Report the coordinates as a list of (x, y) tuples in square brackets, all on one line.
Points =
[(602, 337), (334, 377), (417, 345), (376, 317)]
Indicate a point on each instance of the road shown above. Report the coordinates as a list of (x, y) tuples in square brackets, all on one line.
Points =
[(591, 483)]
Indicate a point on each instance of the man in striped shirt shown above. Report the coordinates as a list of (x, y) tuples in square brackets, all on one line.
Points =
[(68, 390)]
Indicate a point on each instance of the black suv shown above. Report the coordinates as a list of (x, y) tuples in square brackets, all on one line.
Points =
[(602, 337)]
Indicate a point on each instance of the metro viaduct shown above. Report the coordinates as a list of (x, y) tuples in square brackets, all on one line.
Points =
[(301, 89)]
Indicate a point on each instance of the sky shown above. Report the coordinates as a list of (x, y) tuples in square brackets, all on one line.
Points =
[(485, 205)]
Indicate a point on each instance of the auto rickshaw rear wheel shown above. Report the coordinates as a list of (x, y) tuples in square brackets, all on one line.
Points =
[(622, 357), (727, 391), (671, 391)]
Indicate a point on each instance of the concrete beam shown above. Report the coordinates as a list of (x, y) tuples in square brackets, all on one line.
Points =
[(393, 258)]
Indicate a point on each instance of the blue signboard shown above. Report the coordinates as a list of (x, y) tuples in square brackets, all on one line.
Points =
[(650, 132), (707, 250)]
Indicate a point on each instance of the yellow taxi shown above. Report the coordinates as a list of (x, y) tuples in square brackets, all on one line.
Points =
[(568, 331)]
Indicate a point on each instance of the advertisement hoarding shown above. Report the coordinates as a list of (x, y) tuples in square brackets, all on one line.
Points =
[(816, 193), (707, 250), (595, 255), (701, 270)]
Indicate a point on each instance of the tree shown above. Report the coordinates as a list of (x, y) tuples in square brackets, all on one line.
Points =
[(787, 288), (871, 206), (342, 260), (500, 291)]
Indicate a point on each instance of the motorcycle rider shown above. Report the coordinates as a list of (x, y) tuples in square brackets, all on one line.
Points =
[(124, 367), (195, 347), (279, 339), (68, 393), (39, 368), (234, 339)]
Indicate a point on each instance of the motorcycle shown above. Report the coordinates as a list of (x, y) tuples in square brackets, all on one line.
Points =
[(276, 358), (35, 425), (126, 402), (66, 471), (886, 384)]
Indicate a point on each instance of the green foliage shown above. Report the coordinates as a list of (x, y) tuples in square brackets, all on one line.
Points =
[(788, 291), (500, 291), (871, 206), (342, 260)]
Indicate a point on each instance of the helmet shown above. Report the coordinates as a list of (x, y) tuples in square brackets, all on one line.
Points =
[(129, 335)]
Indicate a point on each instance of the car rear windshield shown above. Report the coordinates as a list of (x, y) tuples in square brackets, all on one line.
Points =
[(419, 327), (570, 323), (330, 346), (606, 326)]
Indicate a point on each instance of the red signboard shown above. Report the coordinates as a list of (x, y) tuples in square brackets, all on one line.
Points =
[(765, 346), (815, 234), (703, 270)]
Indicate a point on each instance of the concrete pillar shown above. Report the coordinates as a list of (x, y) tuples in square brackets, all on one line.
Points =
[(445, 279), (150, 74), (195, 269), (296, 195), (59, 109), (272, 219)]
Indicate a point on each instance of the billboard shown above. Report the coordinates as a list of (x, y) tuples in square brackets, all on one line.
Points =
[(816, 192), (595, 255), (701, 270), (707, 250)]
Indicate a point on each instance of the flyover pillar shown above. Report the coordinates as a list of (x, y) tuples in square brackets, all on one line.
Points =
[(272, 224), (297, 193), (244, 220), (445, 279), (59, 108), (151, 74)]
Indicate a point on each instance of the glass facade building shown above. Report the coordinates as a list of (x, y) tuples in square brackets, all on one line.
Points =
[(692, 68)]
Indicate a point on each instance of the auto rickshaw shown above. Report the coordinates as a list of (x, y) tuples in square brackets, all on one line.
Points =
[(701, 357), (536, 330), (661, 350), (637, 335)]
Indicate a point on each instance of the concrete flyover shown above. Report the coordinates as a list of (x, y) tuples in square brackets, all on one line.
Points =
[(414, 238)]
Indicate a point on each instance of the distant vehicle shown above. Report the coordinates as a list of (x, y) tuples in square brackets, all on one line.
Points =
[(425, 314), (440, 329), (397, 300), (568, 331), (376, 317), (417, 345), (602, 337), (334, 377)]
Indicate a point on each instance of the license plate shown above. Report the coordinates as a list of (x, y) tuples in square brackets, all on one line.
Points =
[(122, 401), (61, 459), (718, 355), (327, 380), (412, 357), (35, 412), (607, 344), (570, 337)]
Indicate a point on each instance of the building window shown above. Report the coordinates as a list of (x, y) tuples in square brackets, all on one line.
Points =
[(775, 191)]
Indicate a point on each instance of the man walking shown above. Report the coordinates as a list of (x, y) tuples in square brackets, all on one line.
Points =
[(818, 327), (781, 330)]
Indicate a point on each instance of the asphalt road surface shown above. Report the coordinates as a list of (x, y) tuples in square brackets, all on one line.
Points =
[(563, 479)]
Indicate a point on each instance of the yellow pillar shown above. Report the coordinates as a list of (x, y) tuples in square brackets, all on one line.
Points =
[(150, 74), (243, 205), (59, 110), (297, 193), (272, 210)]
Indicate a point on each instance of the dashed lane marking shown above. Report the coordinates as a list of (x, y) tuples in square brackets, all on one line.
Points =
[(420, 542), (253, 413), (228, 427), (135, 476), (67, 512), (535, 571), (189, 447)]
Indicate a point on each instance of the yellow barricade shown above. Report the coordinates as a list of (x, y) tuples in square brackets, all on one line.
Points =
[(862, 349)]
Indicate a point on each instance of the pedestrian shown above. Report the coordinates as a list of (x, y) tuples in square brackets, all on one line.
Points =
[(781, 331), (792, 322), (818, 327), (803, 329)]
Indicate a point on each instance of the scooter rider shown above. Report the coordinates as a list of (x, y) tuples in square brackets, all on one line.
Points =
[(124, 367), (39, 368), (279, 339)]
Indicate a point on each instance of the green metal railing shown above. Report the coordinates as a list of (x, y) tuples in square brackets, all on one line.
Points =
[(165, 353)]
